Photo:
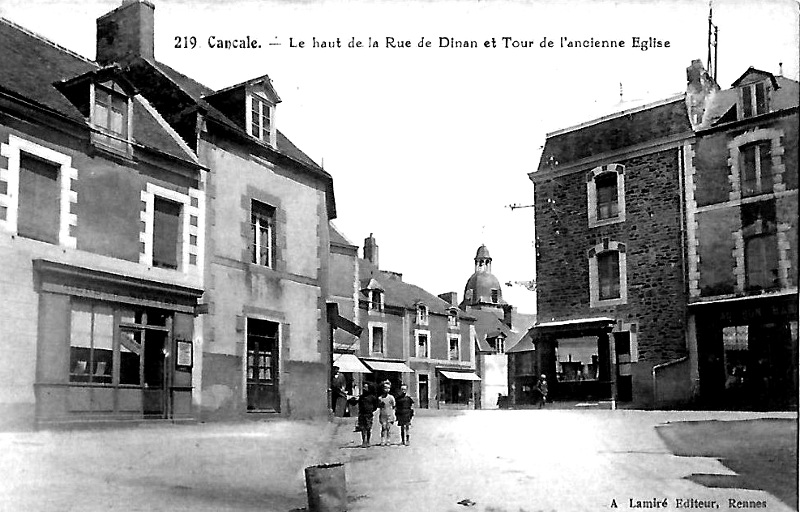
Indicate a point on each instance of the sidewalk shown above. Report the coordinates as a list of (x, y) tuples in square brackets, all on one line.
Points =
[(206, 467)]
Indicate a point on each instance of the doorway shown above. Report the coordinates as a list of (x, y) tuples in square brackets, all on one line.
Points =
[(423, 392), (262, 366), (155, 403)]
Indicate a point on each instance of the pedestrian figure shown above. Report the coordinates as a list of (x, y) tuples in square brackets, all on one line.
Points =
[(338, 393), (405, 411), (367, 405), (386, 404), (541, 388)]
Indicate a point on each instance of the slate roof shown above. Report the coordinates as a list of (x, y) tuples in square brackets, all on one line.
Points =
[(641, 125), (338, 238), (399, 293), (723, 104), (198, 92), (488, 325), (32, 66)]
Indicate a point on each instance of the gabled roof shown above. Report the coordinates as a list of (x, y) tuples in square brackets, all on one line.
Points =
[(722, 105), (41, 71), (488, 325), (401, 294), (625, 129), (755, 75), (263, 81)]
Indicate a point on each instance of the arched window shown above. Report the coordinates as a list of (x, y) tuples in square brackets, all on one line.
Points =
[(607, 274)]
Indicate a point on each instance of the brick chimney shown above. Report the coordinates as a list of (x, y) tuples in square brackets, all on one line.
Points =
[(126, 33), (371, 250)]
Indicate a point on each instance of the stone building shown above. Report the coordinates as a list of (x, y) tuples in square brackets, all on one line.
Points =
[(741, 214), (265, 338), (666, 251), (611, 290), (102, 244)]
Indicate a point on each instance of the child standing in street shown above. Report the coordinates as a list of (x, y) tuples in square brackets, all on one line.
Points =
[(386, 404), (367, 404), (405, 411)]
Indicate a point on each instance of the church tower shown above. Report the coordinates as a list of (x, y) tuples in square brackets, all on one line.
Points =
[(483, 288)]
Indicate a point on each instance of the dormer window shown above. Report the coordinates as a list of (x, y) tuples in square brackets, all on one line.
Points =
[(260, 119), (375, 300), (422, 314), (111, 116), (452, 319), (753, 99)]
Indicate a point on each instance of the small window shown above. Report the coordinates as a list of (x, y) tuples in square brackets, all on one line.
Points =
[(110, 116), (377, 340), (166, 233), (422, 315), (454, 352), (607, 205), (39, 199), (422, 345), (761, 262), (260, 119), (608, 274), (495, 295), (756, 168), (754, 100), (452, 320), (376, 300), (262, 236)]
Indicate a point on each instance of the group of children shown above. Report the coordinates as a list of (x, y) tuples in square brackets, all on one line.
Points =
[(400, 409)]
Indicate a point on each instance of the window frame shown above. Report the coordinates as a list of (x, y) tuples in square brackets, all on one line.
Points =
[(592, 197), (768, 241), (192, 227), (375, 300), (372, 326), (423, 314), (68, 196), (418, 334), (593, 254), (256, 233), (105, 136), (758, 161), (450, 339), (748, 99), (267, 134)]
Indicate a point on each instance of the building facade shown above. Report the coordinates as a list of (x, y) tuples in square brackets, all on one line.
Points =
[(265, 338), (102, 215), (741, 209)]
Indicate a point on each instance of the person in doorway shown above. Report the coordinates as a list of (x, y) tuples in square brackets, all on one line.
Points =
[(541, 389), (386, 404), (338, 393), (405, 411), (367, 405)]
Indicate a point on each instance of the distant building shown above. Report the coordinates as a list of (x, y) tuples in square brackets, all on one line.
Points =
[(409, 336)]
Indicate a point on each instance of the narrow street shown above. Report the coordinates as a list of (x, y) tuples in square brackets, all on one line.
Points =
[(532, 460)]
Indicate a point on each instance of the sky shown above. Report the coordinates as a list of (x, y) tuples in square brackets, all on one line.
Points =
[(429, 145)]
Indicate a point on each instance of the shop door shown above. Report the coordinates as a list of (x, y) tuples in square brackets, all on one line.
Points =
[(155, 403), (423, 392), (262, 366)]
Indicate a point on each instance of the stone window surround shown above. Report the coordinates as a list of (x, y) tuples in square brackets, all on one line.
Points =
[(192, 207), (594, 278), (417, 333), (252, 193), (773, 135), (591, 194), (422, 314), (66, 175), (632, 328), (370, 329)]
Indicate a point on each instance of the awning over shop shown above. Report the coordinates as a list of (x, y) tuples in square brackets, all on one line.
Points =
[(459, 375), (348, 363), (388, 366)]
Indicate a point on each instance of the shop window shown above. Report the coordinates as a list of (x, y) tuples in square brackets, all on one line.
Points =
[(376, 339), (262, 233), (605, 191), (166, 233), (91, 343), (756, 168), (422, 344), (39, 213), (454, 352)]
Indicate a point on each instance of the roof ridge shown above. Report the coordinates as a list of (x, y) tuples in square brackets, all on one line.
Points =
[(48, 41)]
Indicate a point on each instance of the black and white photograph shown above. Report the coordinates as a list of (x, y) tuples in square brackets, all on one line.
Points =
[(402, 256)]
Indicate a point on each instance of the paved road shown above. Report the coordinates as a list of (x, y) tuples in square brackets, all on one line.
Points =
[(531, 460)]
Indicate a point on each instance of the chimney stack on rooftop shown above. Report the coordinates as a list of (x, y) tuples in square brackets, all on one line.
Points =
[(126, 33), (371, 250)]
